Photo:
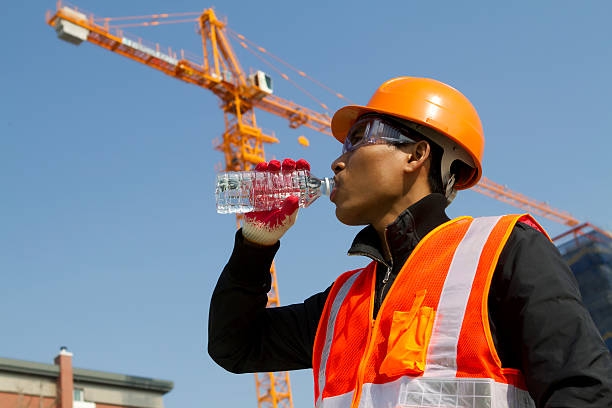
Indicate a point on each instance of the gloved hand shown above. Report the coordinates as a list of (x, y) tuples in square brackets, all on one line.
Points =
[(267, 227)]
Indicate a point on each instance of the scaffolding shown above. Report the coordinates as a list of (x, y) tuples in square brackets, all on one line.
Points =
[(588, 251)]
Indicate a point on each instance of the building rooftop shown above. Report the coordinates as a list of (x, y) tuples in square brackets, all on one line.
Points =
[(9, 365)]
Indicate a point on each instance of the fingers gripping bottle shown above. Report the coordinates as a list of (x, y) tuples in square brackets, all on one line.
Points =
[(247, 191)]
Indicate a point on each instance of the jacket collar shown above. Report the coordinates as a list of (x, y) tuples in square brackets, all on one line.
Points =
[(404, 233)]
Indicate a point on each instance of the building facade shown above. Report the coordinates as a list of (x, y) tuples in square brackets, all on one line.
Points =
[(25, 384), (588, 251)]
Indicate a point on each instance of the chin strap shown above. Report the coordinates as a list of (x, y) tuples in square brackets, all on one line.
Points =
[(450, 192)]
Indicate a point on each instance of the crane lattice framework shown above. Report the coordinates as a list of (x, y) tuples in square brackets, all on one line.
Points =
[(239, 94)]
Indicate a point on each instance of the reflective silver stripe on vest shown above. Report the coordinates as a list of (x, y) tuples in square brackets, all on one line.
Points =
[(339, 401), (436, 392), (442, 351), (421, 392), (329, 331)]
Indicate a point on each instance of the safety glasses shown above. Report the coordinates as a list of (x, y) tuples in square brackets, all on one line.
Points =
[(375, 130)]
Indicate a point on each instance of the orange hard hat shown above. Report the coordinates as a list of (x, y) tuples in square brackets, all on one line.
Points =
[(436, 110)]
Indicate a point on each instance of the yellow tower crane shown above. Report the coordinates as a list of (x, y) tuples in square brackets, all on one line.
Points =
[(239, 93), (242, 142)]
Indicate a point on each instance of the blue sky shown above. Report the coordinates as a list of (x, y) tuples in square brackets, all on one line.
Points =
[(109, 240)]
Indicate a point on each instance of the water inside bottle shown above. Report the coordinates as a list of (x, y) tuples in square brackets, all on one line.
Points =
[(241, 192), (232, 193)]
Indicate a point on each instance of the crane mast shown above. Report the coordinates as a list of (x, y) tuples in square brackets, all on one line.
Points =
[(243, 141)]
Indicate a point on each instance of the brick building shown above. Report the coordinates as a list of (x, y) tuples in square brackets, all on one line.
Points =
[(25, 384)]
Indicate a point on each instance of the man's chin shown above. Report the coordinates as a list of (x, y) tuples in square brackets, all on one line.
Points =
[(347, 219)]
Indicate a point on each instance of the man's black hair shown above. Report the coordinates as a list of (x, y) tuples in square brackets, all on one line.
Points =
[(435, 168)]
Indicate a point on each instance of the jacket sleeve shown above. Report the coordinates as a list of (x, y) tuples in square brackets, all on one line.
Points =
[(246, 336), (543, 328)]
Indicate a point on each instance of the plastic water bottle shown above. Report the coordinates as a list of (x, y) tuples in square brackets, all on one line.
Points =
[(246, 191)]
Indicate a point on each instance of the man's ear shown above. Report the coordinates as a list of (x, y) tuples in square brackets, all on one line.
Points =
[(420, 153)]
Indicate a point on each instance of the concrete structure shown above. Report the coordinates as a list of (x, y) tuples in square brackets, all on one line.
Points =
[(588, 251), (25, 384)]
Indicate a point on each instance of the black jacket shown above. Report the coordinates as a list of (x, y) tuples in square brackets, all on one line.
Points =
[(538, 321)]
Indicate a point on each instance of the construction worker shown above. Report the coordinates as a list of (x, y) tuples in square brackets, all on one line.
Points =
[(469, 312)]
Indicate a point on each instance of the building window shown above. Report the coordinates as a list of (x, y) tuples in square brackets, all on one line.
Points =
[(79, 394)]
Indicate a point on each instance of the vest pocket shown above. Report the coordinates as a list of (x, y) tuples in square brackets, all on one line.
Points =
[(408, 339)]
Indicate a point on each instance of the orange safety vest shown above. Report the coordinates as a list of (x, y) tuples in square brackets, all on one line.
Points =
[(431, 344)]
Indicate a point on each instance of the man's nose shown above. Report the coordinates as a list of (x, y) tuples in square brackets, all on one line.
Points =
[(338, 165)]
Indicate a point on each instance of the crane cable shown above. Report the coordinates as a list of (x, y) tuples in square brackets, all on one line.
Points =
[(253, 47), (244, 42)]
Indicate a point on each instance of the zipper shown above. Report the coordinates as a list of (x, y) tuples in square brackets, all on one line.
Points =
[(384, 285), (386, 278)]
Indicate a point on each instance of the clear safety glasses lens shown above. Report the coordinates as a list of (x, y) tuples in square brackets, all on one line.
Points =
[(373, 131)]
